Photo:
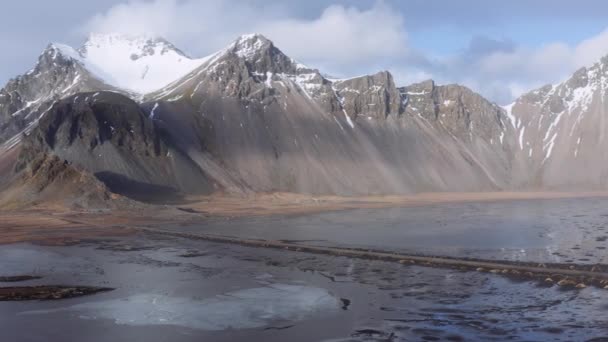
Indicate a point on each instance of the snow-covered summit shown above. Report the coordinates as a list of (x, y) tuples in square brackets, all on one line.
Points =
[(142, 45), (143, 64), (139, 64)]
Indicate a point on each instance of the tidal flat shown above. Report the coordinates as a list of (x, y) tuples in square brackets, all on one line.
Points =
[(161, 287)]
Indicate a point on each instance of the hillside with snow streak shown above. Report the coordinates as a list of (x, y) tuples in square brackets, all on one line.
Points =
[(561, 130)]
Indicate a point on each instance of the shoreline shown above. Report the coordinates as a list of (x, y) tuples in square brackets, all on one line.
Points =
[(51, 223), (290, 203)]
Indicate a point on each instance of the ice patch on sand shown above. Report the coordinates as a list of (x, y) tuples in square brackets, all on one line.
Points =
[(242, 309)]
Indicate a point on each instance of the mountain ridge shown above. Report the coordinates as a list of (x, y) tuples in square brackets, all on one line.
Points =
[(249, 118)]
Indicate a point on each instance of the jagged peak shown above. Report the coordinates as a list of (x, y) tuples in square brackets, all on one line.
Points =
[(249, 45), (261, 56), (58, 49), (252, 37)]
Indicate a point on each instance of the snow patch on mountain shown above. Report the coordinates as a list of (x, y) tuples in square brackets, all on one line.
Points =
[(509, 111)]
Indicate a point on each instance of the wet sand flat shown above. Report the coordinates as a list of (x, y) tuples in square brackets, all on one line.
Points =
[(184, 290)]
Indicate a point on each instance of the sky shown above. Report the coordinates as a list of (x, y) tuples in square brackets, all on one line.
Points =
[(498, 48)]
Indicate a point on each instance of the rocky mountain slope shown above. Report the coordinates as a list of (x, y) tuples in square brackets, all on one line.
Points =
[(109, 135), (273, 124), (250, 118), (47, 179)]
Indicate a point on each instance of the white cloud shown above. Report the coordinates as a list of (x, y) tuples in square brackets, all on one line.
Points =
[(345, 35), (346, 41), (522, 69), (338, 35), (201, 26), (592, 49), (501, 71)]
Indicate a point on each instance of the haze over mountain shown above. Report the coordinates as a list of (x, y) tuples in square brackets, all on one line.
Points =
[(144, 118)]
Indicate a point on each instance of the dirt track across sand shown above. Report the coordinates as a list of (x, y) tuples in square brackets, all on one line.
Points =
[(562, 274)]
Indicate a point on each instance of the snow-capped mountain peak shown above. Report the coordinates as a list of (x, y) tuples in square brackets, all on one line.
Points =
[(260, 59), (144, 64), (55, 50), (139, 64), (263, 56)]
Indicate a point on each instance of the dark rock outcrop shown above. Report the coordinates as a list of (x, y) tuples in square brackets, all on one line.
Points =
[(25, 98), (372, 95), (110, 136)]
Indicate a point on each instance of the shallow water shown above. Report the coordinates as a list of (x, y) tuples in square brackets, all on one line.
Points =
[(555, 230)]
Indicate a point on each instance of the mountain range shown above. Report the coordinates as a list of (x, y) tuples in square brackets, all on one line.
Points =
[(135, 116)]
